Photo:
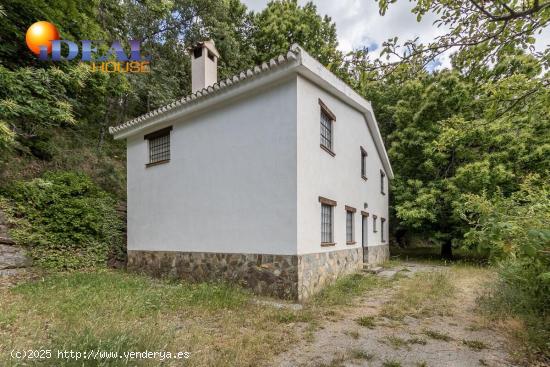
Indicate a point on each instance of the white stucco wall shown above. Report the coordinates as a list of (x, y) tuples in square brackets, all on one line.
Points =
[(337, 178), (230, 185)]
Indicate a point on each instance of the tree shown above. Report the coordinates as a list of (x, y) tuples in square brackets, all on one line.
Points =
[(453, 138), (480, 30), (283, 23)]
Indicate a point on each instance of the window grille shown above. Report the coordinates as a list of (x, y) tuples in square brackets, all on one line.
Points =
[(326, 130), (159, 145), (349, 226), (326, 224), (363, 163)]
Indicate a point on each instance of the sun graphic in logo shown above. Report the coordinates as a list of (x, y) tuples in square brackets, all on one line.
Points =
[(41, 34)]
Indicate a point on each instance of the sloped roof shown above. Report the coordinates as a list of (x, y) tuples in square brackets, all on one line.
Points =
[(296, 60)]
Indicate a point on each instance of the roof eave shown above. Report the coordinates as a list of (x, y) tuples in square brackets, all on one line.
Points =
[(203, 101)]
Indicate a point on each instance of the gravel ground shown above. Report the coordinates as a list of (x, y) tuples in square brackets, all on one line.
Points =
[(343, 342)]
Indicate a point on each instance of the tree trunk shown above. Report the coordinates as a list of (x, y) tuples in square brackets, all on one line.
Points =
[(447, 250)]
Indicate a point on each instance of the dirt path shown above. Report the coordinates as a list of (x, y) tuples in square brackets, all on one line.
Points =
[(456, 339)]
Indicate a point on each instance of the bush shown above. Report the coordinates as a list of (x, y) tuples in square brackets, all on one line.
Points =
[(516, 232), (66, 221)]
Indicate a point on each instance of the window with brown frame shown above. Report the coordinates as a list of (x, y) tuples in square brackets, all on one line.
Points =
[(159, 146), (382, 235), (327, 221), (382, 183), (327, 119), (363, 163), (326, 224), (349, 227)]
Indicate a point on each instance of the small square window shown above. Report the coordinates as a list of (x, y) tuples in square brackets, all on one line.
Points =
[(159, 146)]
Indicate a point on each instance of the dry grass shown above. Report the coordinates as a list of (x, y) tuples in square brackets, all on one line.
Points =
[(114, 311), (474, 344), (437, 335), (367, 321), (425, 294)]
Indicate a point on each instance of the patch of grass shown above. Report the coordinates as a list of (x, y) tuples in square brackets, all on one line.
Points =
[(421, 364), (361, 354), (367, 321), (423, 295), (118, 311), (416, 340), (511, 310), (354, 334), (71, 293), (437, 335), (391, 363), (7, 318), (474, 328), (337, 361), (395, 342), (345, 289), (475, 344), (289, 316)]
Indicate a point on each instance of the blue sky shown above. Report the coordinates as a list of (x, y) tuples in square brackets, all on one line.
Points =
[(359, 24)]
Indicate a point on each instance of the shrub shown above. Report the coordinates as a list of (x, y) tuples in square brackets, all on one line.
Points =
[(66, 221), (516, 232)]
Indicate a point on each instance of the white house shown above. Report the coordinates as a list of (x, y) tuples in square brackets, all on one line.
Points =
[(276, 178)]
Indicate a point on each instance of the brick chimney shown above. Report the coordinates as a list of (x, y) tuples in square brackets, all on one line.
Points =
[(204, 65)]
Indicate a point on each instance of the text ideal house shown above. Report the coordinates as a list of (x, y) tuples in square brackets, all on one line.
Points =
[(276, 178)]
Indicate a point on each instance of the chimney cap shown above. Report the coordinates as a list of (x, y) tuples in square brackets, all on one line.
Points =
[(208, 44)]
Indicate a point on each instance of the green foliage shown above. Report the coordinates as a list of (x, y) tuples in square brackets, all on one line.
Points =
[(283, 23), (65, 219), (480, 32), (6, 137), (515, 230)]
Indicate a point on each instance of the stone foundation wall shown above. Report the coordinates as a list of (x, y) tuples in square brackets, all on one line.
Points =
[(320, 269), (378, 254), (294, 277), (271, 275)]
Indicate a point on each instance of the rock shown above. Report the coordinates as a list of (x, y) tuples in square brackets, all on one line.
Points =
[(278, 305), (387, 273), (373, 270), (7, 241), (13, 257), (13, 272)]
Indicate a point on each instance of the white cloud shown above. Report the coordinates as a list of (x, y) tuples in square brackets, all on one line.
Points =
[(359, 24)]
